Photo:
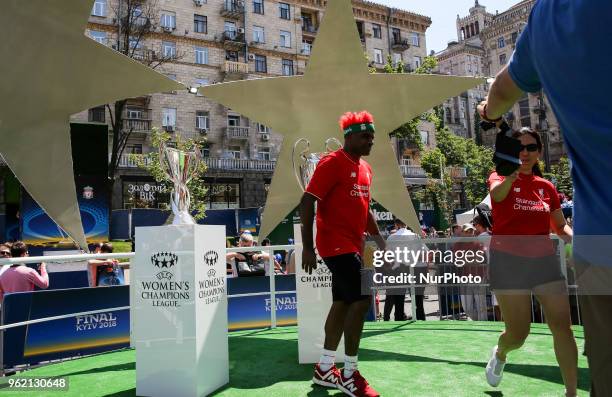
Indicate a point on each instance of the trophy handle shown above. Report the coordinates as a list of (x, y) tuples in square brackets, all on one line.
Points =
[(332, 140), (303, 156)]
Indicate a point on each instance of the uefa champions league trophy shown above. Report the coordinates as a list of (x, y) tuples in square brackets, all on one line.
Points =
[(305, 170), (180, 167)]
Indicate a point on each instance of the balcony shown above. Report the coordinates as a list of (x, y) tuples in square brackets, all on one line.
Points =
[(456, 172), (144, 55), (136, 125), (235, 70), (400, 44), (413, 171), (232, 39), (232, 9), (306, 48), (216, 163), (309, 29), (127, 160), (241, 133)]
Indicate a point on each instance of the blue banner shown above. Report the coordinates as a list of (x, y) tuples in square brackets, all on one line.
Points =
[(68, 337), (38, 229)]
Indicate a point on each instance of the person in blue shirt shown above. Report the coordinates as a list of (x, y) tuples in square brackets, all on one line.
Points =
[(564, 51)]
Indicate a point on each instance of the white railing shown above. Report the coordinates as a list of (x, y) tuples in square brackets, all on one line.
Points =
[(238, 132), (239, 164), (456, 172), (413, 171), (127, 160), (236, 67)]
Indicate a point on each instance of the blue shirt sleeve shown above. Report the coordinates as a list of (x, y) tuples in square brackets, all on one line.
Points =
[(521, 66)]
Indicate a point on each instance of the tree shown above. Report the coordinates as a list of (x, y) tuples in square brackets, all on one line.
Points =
[(561, 176), (151, 163), (135, 20), (429, 64)]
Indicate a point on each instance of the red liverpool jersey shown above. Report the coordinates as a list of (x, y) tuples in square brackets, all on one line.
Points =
[(341, 185)]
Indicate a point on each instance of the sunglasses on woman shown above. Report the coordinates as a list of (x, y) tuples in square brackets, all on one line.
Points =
[(532, 147)]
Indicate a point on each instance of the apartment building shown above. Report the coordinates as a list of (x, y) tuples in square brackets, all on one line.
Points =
[(201, 42)]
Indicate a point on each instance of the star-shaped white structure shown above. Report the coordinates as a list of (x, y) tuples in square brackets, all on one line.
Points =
[(50, 71), (337, 80)]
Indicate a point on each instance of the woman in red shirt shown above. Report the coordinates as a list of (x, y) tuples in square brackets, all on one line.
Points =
[(523, 260)]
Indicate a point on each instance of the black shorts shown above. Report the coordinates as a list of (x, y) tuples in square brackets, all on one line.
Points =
[(512, 272), (346, 270)]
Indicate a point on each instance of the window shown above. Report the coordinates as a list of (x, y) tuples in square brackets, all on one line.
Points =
[(261, 64), (97, 115), (230, 29), (502, 59), (223, 196), (168, 117), (133, 149), (501, 43), (233, 120), (306, 48), (259, 34), (514, 37), (202, 120), (424, 137), (135, 43), (397, 58), (397, 35), (135, 113), (378, 56), (234, 152), (171, 76), (377, 31), (100, 37), (524, 113), (200, 24), (284, 10), (287, 67), (168, 20), (263, 153), (201, 55), (169, 49), (415, 39), (285, 39), (99, 8), (205, 152), (262, 129), (258, 6), (200, 83), (417, 62)]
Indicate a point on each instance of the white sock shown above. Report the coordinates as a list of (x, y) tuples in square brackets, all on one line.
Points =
[(327, 360), (350, 365)]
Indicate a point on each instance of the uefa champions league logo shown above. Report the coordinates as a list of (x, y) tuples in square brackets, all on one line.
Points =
[(211, 258), (164, 259)]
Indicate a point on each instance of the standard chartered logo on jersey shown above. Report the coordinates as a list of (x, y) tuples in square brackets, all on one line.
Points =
[(360, 190)]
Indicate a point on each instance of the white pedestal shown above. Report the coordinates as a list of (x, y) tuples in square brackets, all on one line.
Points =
[(314, 298), (179, 310)]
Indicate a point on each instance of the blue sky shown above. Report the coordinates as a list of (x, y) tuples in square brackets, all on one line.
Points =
[(443, 14)]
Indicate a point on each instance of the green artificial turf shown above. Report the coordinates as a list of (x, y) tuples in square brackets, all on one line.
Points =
[(433, 358)]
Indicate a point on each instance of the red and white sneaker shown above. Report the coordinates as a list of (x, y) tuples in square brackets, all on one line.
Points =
[(356, 386), (329, 378)]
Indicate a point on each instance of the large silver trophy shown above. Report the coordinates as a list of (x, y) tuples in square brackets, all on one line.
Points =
[(180, 167), (308, 161)]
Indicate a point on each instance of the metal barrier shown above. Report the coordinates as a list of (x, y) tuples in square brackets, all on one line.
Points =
[(449, 296)]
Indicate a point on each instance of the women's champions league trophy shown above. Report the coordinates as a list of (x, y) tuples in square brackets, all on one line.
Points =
[(180, 167), (305, 170), (190, 326)]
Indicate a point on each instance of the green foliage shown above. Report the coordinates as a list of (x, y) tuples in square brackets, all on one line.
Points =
[(427, 66), (479, 164), (561, 176), (151, 163)]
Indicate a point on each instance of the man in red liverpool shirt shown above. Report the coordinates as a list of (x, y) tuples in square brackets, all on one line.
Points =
[(341, 186)]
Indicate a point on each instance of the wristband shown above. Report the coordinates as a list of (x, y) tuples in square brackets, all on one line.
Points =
[(486, 118)]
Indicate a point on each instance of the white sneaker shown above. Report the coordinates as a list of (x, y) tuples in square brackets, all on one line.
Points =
[(495, 369)]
